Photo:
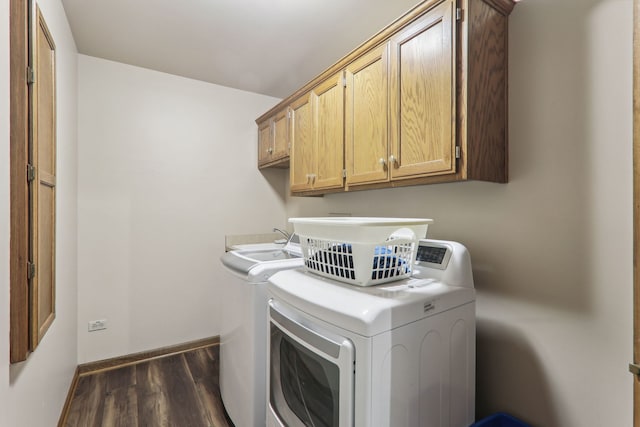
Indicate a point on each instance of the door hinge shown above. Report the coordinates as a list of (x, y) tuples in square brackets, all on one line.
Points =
[(31, 270), (459, 14), (31, 173), (31, 75), (457, 151)]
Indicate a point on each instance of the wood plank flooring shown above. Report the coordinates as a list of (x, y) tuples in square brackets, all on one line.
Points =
[(174, 391)]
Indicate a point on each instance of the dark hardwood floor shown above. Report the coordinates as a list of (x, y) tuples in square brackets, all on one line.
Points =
[(173, 391)]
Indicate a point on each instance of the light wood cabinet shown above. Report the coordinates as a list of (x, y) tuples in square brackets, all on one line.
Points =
[(280, 146), (316, 130), (264, 142), (301, 131), (423, 101), (400, 117), (328, 111), (273, 140), (367, 118), (422, 95)]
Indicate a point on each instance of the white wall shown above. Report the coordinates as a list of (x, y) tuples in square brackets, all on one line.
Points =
[(32, 393), (167, 168), (552, 248)]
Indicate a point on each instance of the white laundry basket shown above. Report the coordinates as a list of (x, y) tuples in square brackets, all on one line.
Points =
[(360, 251)]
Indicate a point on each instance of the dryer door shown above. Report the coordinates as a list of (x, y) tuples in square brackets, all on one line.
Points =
[(311, 372)]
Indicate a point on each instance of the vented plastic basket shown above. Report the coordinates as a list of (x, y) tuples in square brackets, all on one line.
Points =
[(360, 251)]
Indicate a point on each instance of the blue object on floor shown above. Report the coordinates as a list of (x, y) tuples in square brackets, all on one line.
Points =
[(499, 419)]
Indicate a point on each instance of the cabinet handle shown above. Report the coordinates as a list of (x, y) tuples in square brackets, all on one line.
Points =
[(270, 150), (382, 162), (393, 161)]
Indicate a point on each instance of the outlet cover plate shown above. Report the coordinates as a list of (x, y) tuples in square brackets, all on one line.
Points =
[(97, 325)]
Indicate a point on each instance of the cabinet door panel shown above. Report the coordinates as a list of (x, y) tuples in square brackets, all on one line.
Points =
[(423, 96), (329, 113), (301, 129), (366, 118), (43, 232), (264, 142), (280, 135)]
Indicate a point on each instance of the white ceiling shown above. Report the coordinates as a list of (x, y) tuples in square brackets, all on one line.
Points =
[(271, 47)]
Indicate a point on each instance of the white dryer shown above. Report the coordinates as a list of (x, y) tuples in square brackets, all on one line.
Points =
[(392, 355), (243, 340)]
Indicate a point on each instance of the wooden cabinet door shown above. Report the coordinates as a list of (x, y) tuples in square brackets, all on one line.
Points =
[(367, 117), (301, 132), (43, 244), (423, 96), (329, 133), (264, 142), (280, 135)]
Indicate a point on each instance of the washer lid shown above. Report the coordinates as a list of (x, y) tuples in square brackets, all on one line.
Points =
[(367, 311), (257, 266)]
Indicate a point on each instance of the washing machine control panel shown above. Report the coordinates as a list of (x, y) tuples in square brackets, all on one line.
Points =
[(432, 254)]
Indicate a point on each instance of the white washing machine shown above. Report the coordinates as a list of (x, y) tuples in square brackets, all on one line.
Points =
[(243, 340), (392, 355)]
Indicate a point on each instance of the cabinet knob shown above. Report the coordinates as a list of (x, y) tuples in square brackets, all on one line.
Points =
[(382, 162), (270, 150), (393, 161)]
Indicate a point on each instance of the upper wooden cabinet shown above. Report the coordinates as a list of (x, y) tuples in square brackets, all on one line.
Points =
[(422, 84), (280, 135), (264, 142), (301, 132), (400, 117), (367, 117), (328, 99), (273, 140), (425, 101), (316, 135)]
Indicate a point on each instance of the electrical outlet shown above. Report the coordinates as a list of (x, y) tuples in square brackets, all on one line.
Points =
[(97, 325)]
